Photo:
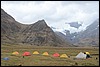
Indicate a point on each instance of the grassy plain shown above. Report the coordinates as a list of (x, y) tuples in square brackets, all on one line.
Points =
[(40, 60)]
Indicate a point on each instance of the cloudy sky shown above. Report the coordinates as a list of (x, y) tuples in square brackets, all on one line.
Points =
[(56, 13)]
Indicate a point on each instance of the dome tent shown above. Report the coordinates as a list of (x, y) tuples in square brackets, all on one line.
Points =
[(81, 56), (45, 53), (64, 56), (56, 55), (84, 55), (35, 52), (6, 58), (15, 53), (87, 54), (26, 54)]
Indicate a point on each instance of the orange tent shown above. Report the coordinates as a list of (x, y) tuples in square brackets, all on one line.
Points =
[(26, 54), (56, 55)]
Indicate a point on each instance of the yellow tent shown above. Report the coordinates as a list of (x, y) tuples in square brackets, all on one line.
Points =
[(64, 56), (45, 53), (35, 52), (15, 53), (87, 53)]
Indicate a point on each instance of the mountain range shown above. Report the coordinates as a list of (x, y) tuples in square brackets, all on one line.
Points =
[(88, 37), (39, 33)]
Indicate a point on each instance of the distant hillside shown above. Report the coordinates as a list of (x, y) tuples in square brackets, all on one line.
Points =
[(89, 37), (66, 37), (39, 33)]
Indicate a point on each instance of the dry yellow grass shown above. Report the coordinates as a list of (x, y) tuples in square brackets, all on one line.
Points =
[(40, 60)]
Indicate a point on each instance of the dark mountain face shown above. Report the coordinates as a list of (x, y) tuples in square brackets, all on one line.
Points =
[(38, 33), (9, 28), (75, 24), (70, 37), (61, 35), (8, 23), (67, 37)]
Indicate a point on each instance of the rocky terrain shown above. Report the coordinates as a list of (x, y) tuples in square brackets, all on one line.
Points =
[(39, 33), (88, 37)]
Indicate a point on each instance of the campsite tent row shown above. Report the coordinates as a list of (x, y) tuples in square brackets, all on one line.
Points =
[(36, 52), (28, 53), (80, 55)]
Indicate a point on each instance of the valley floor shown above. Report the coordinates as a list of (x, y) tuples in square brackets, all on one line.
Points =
[(40, 60)]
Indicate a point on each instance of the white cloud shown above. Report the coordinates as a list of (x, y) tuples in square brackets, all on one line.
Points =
[(56, 13)]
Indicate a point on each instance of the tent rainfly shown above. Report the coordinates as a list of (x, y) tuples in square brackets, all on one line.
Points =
[(56, 55), (35, 52), (87, 54), (15, 53), (26, 54), (45, 53), (6, 58), (64, 56), (81, 56)]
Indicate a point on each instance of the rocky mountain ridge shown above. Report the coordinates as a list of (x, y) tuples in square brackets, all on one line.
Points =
[(39, 33)]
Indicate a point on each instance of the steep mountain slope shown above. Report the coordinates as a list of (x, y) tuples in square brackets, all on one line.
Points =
[(89, 37), (8, 23), (64, 37), (70, 37), (9, 28), (39, 33)]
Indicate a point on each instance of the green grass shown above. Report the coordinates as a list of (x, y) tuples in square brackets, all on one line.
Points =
[(40, 60)]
